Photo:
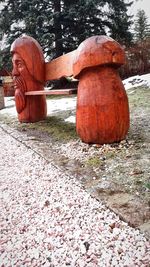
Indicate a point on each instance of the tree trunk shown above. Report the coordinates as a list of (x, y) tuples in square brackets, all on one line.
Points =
[(58, 28)]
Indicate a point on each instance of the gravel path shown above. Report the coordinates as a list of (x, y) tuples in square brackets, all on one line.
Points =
[(48, 220)]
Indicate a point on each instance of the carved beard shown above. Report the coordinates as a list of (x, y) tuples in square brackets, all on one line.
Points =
[(20, 89)]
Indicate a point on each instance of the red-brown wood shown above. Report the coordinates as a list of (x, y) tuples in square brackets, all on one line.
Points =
[(8, 86), (60, 67), (102, 106), (96, 51), (53, 92), (28, 75)]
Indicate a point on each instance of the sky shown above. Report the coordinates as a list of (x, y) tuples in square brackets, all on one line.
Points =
[(140, 4)]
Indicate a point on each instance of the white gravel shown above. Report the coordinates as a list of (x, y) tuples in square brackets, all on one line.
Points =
[(48, 220)]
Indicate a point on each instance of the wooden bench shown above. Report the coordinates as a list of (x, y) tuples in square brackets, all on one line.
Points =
[(56, 69), (53, 92), (102, 114)]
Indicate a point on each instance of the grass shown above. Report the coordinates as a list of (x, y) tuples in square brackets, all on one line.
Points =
[(147, 185), (8, 119), (94, 162), (138, 99), (56, 127), (110, 154)]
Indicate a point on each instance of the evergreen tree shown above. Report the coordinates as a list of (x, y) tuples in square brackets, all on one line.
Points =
[(119, 21), (142, 28), (28, 17), (0, 59), (82, 19), (61, 25)]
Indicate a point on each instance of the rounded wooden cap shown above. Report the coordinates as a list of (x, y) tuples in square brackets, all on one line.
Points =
[(31, 52), (98, 50)]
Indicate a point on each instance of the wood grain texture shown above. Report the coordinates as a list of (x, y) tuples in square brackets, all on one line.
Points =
[(102, 114), (102, 106), (98, 51), (53, 92), (35, 109), (60, 67), (28, 75)]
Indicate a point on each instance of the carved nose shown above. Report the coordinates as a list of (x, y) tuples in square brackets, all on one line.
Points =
[(15, 71)]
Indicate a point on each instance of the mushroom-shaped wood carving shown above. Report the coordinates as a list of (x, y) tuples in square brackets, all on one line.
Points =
[(28, 75), (102, 105)]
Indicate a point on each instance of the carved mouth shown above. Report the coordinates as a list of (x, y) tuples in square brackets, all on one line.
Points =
[(19, 84)]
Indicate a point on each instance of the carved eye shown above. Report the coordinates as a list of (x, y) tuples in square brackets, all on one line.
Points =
[(19, 64)]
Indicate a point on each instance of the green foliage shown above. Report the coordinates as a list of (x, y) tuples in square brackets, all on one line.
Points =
[(60, 26), (147, 185), (142, 28), (0, 59), (136, 99), (119, 21), (94, 161), (84, 19)]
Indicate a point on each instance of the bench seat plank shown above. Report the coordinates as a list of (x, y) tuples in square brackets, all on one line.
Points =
[(53, 92)]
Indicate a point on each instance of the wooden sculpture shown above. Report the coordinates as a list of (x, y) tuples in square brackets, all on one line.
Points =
[(28, 75), (102, 114)]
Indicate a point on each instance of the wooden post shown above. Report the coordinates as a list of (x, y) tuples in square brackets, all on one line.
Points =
[(8, 86), (102, 106), (28, 75), (2, 105)]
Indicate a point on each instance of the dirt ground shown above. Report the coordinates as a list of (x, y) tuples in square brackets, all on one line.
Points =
[(117, 174)]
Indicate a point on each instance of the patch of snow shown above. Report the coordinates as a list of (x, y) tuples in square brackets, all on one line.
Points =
[(137, 80), (56, 105), (69, 103), (9, 108), (71, 119)]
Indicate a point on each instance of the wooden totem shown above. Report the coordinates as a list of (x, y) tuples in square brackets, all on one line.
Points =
[(28, 75), (102, 114)]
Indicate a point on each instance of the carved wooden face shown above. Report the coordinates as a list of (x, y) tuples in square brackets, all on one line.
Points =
[(31, 56), (20, 73), (28, 75), (23, 81)]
